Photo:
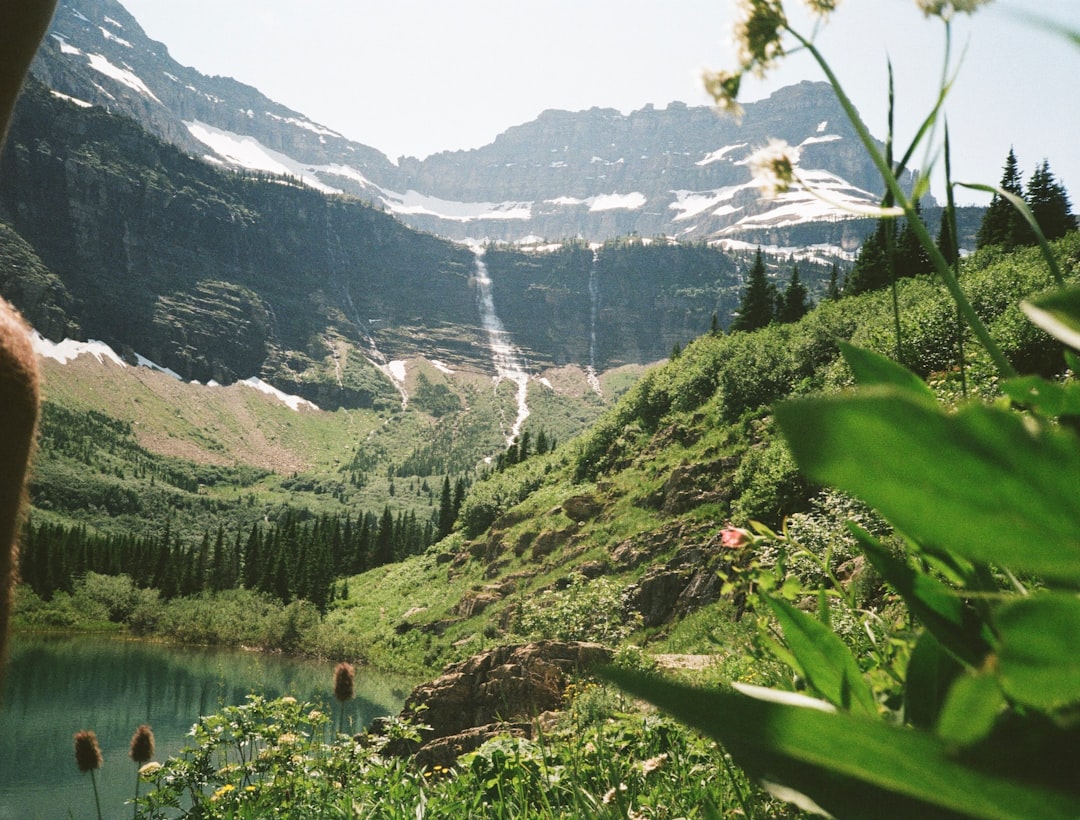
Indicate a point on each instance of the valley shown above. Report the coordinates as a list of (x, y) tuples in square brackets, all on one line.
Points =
[(626, 464)]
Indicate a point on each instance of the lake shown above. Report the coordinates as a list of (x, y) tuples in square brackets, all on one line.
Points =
[(57, 686)]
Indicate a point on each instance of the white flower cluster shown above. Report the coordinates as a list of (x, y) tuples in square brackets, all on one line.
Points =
[(945, 9)]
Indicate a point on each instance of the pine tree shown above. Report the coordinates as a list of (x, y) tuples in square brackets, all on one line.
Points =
[(911, 257), (446, 511), (1049, 203), (871, 268), (384, 540), (945, 242), (832, 293), (1001, 223), (794, 304), (759, 299)]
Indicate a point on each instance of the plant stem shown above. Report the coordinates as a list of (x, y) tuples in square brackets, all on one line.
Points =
[(892, 184), (97, 800)]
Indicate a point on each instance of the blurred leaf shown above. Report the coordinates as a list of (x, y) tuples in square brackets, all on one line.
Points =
[(1050, 399), (930, 672), (1021, 207), (1039, 657), (1057, 313), (872, 368), (849, 765), (971, 708), (982, 482), (939, 608), (824, 659)]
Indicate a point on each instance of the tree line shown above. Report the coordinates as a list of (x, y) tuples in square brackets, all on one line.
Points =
[(293, 558), (893, 251)]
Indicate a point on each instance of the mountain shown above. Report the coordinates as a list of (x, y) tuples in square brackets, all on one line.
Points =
[(679, 171)]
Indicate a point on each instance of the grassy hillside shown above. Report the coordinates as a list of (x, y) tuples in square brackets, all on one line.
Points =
[(646, 490), (617, 531), (127, 449)]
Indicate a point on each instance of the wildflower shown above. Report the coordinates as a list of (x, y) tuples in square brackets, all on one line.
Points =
[(757, 34), (822, 8), (142, 745), (773, 167), (288, 700), (148, 770), (734, 537), (653, 763), (723, 87), (224, 790), (609, 795), (945, 9), (344, 682)]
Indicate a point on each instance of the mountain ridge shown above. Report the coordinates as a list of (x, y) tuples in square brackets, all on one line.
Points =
[(677, 171)]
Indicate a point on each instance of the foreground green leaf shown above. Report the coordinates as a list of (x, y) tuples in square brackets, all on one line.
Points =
[(939, 608), (982, 482), (825, 660), (1039, 658), (871, 368), (1057, 313), (849, 765)]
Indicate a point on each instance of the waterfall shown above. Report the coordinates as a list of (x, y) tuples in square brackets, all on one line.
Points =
[(505, 356), (594, 311)]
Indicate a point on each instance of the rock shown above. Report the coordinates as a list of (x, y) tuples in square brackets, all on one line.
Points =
[(582, 508), (473, 699)]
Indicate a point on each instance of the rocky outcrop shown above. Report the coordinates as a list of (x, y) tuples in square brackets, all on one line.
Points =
[(495, 692)]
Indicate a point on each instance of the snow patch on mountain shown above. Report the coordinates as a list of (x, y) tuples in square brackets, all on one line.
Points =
[(294, 402), (69, 350), (416, 204), (101, 64), (720, 154), (614, 202), (248, 152), (74, 100), (108, 35)]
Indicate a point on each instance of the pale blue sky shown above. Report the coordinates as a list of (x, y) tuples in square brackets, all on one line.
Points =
[(412, 77)]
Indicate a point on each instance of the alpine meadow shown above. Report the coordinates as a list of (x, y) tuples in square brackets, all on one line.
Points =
[(697, 462)]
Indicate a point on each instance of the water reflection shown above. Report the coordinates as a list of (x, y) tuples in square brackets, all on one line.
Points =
[(58, 686)]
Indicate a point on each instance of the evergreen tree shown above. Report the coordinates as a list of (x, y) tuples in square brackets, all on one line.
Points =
[(832, 293), (1001, 224), (759, 299), (911, 257), (871, 268), (1049, 203), (794, 304), (445, 523), (384, 539), (945, 242)]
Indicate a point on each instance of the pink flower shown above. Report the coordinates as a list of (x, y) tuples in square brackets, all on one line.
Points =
[(734, 538)]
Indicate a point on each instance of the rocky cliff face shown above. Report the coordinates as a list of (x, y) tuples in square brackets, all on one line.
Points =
[(221, 276), (677, 171)]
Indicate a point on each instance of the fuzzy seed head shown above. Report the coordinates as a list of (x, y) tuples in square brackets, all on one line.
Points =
[(344, 681), (142, 745), (87, 751)]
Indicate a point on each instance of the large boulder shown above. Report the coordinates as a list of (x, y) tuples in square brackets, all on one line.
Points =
[(494, 692)]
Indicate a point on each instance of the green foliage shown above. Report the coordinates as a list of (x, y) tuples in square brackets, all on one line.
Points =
[(583, 610), (758, 305), (278, 758)]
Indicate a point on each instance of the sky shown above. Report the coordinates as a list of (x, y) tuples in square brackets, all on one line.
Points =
[(414, 77)]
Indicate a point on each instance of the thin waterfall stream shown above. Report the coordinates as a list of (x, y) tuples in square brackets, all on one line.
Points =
[(594, 312), (508, 361)]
